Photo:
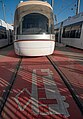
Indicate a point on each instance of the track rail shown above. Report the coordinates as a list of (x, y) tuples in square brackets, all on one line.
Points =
[(68, 84), (9, 87)]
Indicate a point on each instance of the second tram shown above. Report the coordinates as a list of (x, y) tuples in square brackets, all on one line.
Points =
[(6, 33), (70, 31)]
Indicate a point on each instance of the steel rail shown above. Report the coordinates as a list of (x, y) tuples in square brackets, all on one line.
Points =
[(68, 84), (9, 87)]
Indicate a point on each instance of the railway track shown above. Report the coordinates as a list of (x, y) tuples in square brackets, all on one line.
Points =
[(68, 84), (34, 72), (9, 87)]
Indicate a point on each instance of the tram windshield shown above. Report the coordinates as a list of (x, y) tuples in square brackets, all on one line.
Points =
[(34, 24)]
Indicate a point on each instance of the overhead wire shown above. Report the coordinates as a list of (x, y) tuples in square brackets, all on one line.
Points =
[(9, 11), (59, 3), (65, 8)]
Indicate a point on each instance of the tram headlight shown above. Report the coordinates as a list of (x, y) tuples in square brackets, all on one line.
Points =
[(44, 33)]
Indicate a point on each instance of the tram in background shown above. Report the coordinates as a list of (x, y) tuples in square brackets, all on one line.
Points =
[(34, 29), (70, 31), (6, 33)]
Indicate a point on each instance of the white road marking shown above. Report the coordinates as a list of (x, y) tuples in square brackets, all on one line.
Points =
[(34, 97), (51, 91), (18, 102)]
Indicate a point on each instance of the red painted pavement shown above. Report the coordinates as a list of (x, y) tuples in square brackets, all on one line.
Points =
[(39, 93), (72, 69), (76, 50), (7, 66)]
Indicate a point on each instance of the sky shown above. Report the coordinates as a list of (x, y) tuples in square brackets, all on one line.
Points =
[(62, 9)]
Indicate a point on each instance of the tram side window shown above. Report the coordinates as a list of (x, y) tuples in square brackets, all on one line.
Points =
[(63, 34), (66, 32), (73, 31), (76, 31), (3, 35)]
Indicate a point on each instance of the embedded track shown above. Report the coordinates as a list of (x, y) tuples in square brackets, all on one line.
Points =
[(36, 90), (9, 87), (67, 83)]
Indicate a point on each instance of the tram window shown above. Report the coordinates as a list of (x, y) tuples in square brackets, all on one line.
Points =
[(3, 34), (72, 34), (66, 32), (76, 31), (34, 24), (73, 31)]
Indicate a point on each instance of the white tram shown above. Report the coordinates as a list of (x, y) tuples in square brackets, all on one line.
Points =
[(70, 31), (34, 29), (6, 34)]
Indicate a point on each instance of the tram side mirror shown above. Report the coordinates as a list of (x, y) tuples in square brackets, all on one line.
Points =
[(51, 28), (55, 18)]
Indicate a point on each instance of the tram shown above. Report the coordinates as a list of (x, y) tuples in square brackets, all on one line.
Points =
[(6, 34), (34, 29), (70, 31)]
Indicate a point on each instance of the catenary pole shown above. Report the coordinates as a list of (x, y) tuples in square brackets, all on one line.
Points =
[(3, 8), (78, 7)]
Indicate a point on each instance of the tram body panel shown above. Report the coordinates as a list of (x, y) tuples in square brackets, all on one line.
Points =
[(36, 45)]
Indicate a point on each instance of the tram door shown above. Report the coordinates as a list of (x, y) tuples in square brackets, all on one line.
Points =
[(10, 36), (60, 33)]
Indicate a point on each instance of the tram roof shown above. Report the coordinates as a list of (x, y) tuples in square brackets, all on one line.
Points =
[(71, 20), (29, 7), (34, 2), (5, 25)]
